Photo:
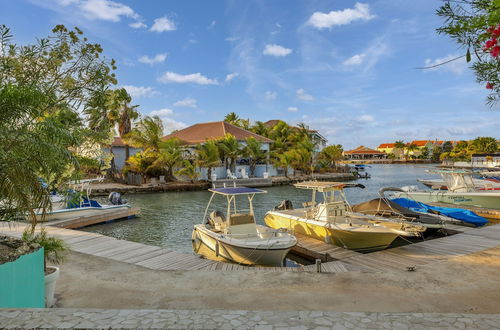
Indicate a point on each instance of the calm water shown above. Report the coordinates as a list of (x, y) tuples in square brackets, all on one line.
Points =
[(167, 218)]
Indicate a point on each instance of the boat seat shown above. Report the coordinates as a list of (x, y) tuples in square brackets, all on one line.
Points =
[(217, 220), (242, 224), (240, 219)]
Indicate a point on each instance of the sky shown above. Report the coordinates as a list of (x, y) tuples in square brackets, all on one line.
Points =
[(345, 68)]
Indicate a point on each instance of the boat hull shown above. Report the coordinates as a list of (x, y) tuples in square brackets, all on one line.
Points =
[(79, 212), (239, 254), (353, 240), (487, 200)]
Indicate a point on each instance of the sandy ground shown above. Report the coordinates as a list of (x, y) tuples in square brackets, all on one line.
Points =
[(469, 284)]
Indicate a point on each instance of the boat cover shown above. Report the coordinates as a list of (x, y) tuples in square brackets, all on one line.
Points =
[(452, 212), (387, 208)]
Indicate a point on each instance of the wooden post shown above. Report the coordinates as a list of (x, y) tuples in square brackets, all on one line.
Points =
[(318, 265)]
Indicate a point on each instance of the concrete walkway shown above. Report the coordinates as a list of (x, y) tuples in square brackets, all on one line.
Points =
[(238, 319)]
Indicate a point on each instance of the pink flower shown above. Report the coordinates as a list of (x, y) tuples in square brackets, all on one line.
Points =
[(489, 85)]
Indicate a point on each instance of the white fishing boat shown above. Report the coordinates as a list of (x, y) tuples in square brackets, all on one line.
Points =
[(479, 184), (331, 220), (461, 191), (77, 203), (236, 236)]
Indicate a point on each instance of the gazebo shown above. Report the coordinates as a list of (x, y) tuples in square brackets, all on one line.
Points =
[(363, 152)]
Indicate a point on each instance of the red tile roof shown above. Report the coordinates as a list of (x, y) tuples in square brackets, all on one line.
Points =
[(421, 143), (202, 132), (364, 150), (271, 123), (386, 145)]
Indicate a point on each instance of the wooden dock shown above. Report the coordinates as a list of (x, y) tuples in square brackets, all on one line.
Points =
[(312, 249), (103, 217), (470, 240)]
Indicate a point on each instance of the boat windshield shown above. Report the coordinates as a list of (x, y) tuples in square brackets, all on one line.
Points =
[(229, 196), (456, 180)]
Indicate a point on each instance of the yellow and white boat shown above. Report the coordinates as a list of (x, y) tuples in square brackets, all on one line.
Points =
[(236, 237), (331, 220)]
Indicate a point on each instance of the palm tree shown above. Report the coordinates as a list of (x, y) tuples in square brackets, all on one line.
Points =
[(409, 148), (189, 171), (232, 118), (331, 155), (207, 155), (399, 145), (285, 160), (170, 155), (146, 134), (229, 148), (244, 123), (253, 150), (260, 128)]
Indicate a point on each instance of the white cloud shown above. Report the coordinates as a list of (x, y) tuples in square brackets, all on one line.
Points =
[(361, 11), (163, 24), (231, 76), (270, 95), (231, 39), (302, 95), (138, 25), (456, 67), (140, 91), (212, 25), (276, 50), (365, 119), (195, 78), (187, 102), (162, 112), (355, 60), (106, 10), (169, 124), (159, 58), (293, 109)]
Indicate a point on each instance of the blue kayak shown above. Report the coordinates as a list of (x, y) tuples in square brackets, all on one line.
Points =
[(455, 213)]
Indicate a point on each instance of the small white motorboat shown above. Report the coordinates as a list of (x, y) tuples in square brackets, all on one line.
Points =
[(235, 235), (76, 204)]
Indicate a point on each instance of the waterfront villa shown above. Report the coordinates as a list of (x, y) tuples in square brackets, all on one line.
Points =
[(363, 152)]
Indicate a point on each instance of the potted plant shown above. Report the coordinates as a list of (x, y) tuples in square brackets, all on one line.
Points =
[(53, 251)]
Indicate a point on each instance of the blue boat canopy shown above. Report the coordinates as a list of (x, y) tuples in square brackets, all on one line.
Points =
[(452, 212), (237, 191)]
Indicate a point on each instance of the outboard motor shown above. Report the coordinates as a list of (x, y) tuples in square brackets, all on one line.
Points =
[(284, 205), (116, 199)]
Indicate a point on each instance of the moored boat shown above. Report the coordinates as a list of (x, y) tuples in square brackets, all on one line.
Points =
[(331, 220), (235, 235)]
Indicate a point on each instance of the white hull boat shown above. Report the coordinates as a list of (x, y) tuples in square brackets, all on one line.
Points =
[(236, 237)]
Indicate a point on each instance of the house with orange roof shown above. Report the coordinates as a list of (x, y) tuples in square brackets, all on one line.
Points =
[(363, 152), (390, 148)]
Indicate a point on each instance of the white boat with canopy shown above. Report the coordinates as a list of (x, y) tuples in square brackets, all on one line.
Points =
[(236, 236), (461, 191), (77, 203)]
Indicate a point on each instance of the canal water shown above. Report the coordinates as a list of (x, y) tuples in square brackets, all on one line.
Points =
[(167, 219)]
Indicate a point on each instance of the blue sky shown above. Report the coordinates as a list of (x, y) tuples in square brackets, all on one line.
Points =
[(345, 68)]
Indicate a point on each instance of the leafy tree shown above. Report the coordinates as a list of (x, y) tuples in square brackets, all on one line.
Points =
[(169, 156), (229, 149), (459, 151), (207, 155), (447, 146), (474, 25), (409, 148), (260, 128), (43, 88), (147, 134), (244, 123), (285, 161), (232, 118), (189, 171), (436, 154), (331, 155), (482, 145), (253, 150), (143, 163)]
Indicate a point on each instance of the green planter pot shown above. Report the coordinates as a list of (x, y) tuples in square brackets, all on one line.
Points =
[(22, 283)]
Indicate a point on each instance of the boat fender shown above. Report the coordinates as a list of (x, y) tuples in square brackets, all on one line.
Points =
[(115, 198)]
